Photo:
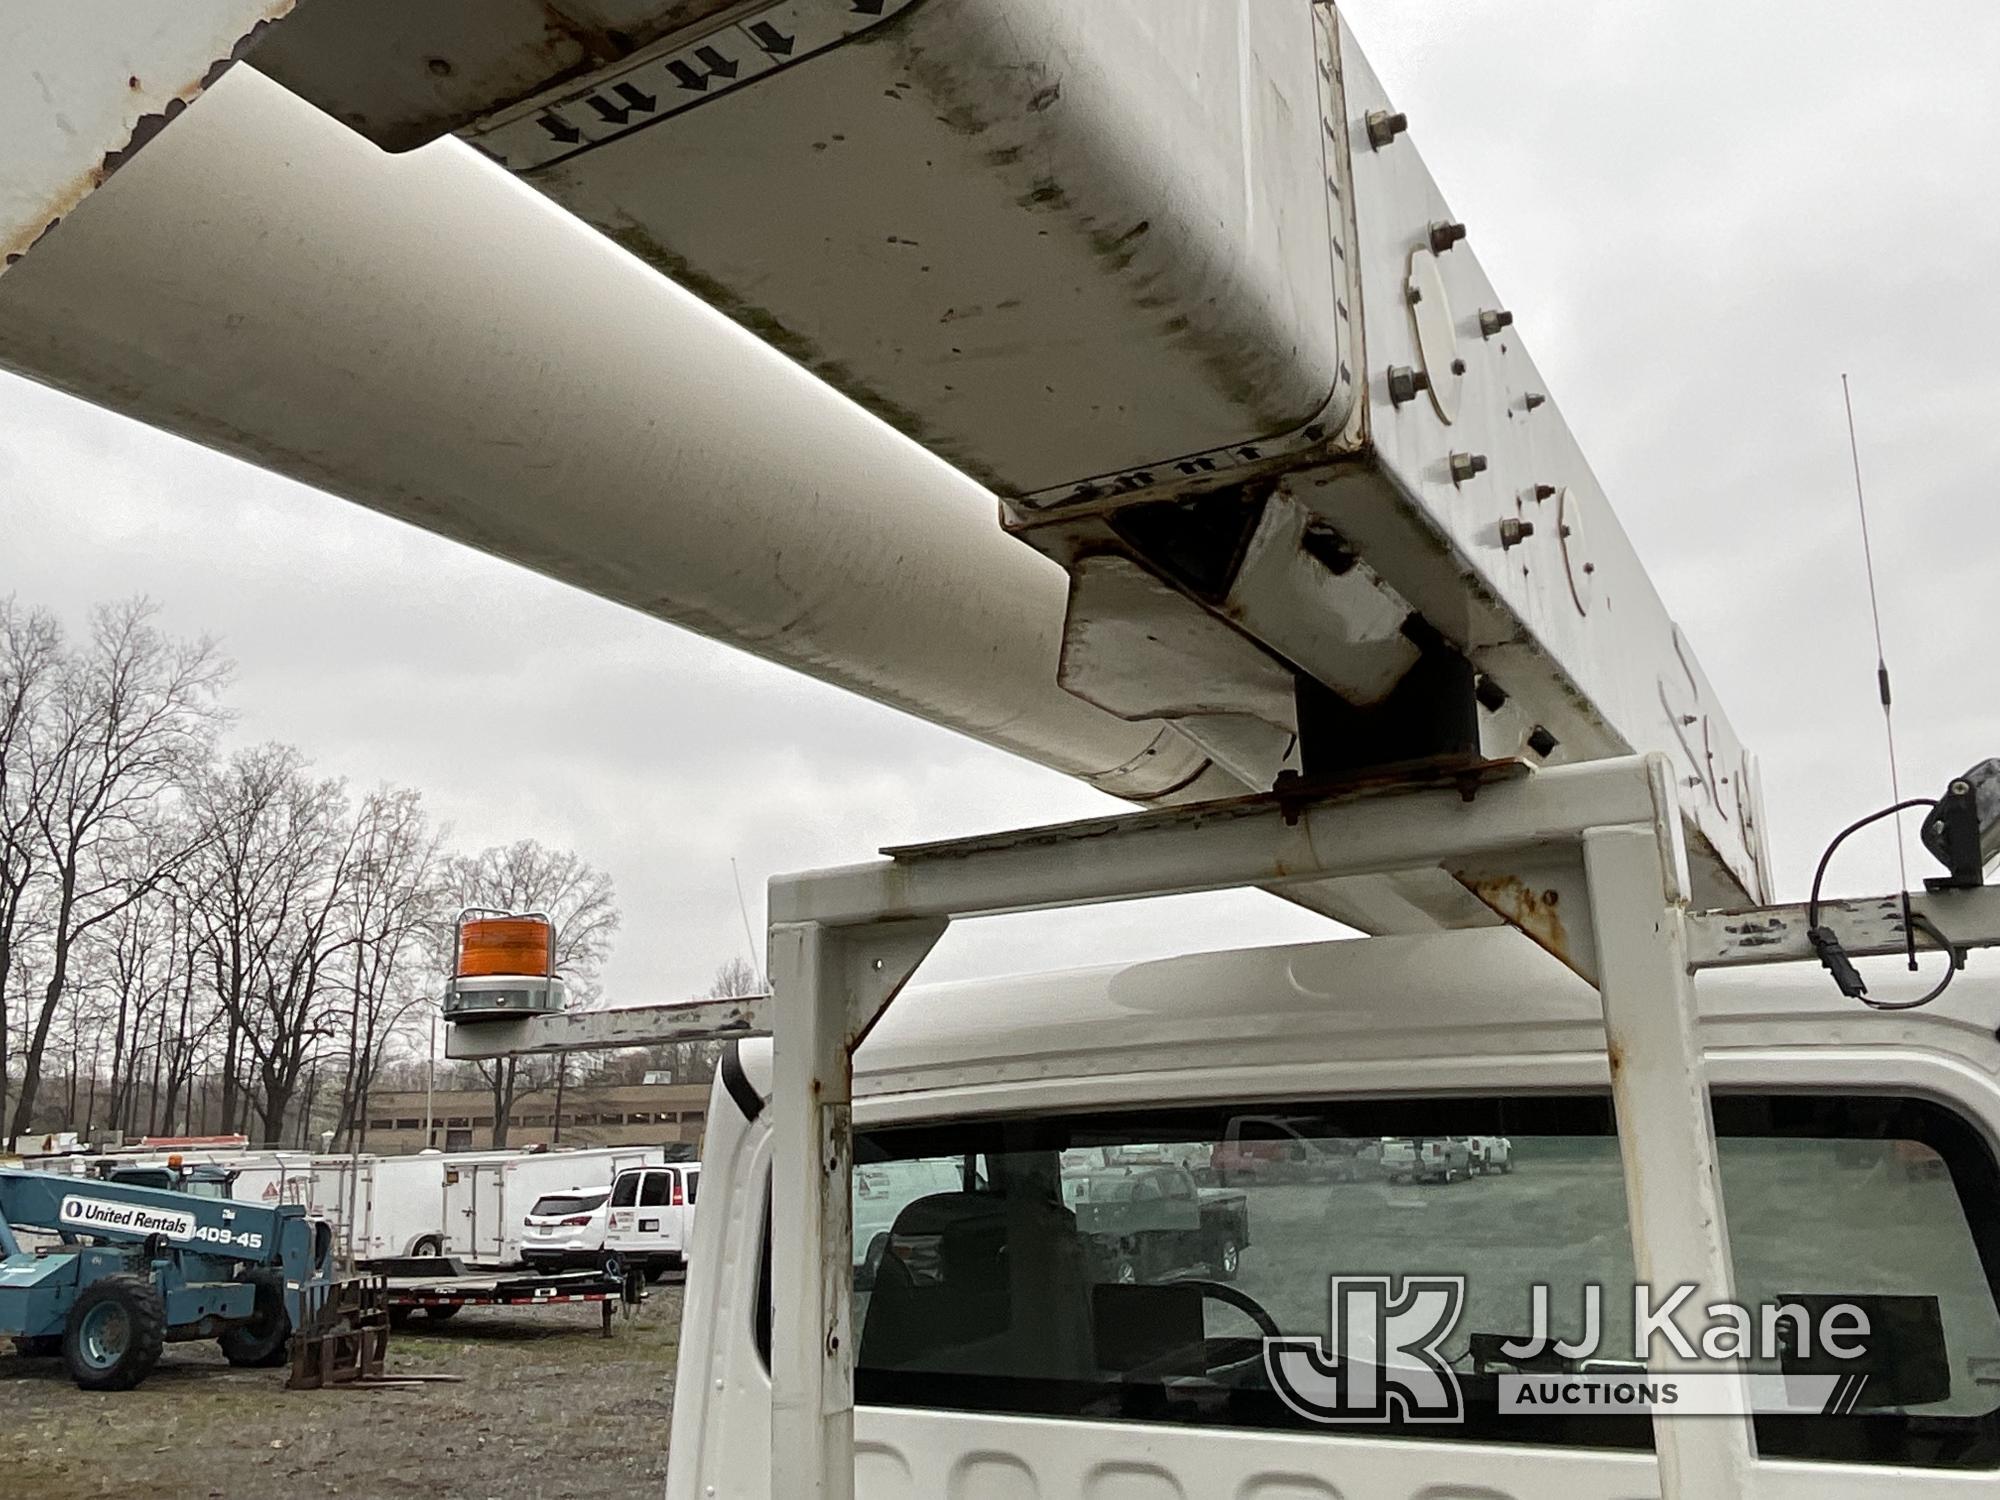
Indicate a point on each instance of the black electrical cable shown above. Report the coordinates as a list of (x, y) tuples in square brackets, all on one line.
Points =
[(1827, 945)]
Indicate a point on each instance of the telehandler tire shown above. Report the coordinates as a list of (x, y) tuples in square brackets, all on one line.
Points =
[(117, 1328), (264, 1342)]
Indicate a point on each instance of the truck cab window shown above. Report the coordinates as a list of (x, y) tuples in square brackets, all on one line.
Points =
[(1130, 1267)]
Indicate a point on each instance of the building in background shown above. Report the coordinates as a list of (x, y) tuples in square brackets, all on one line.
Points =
[(637, 1114)]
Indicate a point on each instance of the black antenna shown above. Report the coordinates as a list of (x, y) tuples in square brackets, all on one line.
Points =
[(1881, 668)]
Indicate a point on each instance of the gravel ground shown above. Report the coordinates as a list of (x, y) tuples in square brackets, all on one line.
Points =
[(547, 1410)]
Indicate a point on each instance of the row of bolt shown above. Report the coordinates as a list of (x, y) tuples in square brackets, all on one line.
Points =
[(1407, 383)]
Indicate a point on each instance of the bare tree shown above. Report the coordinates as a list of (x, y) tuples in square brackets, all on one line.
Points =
[(391, 909), (277, 855), (30, 658), (128, 720), (581, 901)]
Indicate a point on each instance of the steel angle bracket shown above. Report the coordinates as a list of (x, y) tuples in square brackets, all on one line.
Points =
[(1545, 894)]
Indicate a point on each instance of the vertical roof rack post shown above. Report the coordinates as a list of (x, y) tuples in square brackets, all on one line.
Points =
[(1602, 842)]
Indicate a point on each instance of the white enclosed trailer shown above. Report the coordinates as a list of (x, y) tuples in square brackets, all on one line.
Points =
[(487, 1197)]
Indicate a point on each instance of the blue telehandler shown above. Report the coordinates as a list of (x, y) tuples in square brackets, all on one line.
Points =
[(151, 1256)]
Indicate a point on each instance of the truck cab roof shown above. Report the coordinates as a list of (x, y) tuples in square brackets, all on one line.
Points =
[(1426, 1006)]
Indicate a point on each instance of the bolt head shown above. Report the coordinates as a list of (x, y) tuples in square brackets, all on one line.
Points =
[(1535, 399), (1384, 127), (1444, 235), (1405, 384), (1492, 320)]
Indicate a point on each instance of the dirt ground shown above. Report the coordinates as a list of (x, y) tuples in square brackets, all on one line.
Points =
[(547, 1410)]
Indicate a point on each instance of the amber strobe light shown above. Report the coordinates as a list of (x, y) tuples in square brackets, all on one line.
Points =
[(504, 945)]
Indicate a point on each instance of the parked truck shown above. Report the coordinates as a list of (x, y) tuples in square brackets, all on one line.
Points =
[(1141, 1223)]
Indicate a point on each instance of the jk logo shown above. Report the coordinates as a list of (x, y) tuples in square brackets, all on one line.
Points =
[(1381, 1360)]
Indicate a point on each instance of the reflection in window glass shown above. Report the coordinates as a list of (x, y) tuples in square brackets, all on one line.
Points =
[(1072, 1266)]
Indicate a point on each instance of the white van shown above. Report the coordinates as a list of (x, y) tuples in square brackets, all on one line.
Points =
[(652, 1217), (1858, 1160)]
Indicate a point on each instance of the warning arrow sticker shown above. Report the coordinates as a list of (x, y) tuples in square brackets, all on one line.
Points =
[(672, 78)]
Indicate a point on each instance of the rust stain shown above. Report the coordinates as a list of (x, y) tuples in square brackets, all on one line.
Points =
[(72, 192), (1616, 1052), (1533, 911)]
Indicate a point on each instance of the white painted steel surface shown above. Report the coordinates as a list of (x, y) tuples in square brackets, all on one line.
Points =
[(326, 311), (330, 312), (843, 941), (1385, 1017), (1137, 250), (1666, 1132), (923, 201), (85, 84)]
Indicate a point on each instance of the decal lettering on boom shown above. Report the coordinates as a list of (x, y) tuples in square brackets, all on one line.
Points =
[(102, 1216)]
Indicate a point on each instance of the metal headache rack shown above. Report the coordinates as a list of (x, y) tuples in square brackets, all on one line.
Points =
[(1593, 855)]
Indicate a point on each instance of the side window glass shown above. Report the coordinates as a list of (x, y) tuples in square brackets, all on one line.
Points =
[(693, 1181), (1880, 1224), (1078, 1274), (626, 1190), (657, 1191)]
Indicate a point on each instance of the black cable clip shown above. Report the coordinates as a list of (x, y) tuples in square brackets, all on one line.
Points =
[(1838, 964)]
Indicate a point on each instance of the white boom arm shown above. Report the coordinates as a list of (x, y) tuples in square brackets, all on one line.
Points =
[(1219, 348)]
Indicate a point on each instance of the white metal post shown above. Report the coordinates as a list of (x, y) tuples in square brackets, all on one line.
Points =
[(812, 1392), (1666, 1131)]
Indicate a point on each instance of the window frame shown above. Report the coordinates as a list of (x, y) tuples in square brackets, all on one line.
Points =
[(1930, 1443)]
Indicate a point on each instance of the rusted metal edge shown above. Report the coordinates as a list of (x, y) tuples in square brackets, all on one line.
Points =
[(147, 126), (1293, 796), (1870, 926)]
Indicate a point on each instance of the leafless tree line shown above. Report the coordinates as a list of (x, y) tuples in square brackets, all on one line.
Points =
[(194, 941)]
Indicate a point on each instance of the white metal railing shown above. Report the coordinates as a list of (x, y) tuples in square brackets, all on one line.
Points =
[(1586, 860)]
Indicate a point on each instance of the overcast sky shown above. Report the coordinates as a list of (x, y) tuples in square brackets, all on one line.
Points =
[(1701, 213)]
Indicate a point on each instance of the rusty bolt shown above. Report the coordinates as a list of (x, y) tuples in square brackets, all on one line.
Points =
[(1535, 399), (1465, 465), (1416, 294), (1493, 319), (1384, 127), (1458, 367), (1444, 235), (1513, 532), (1542, 742), (1545, 492), (1405, 383)]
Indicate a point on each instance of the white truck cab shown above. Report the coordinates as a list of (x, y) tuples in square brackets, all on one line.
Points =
[(1858, 1161)]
